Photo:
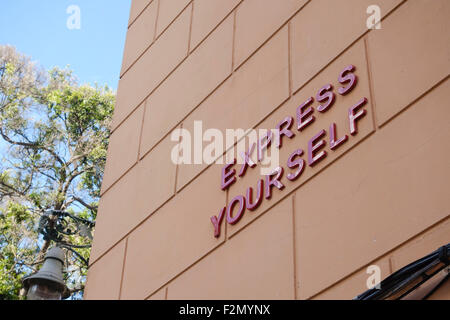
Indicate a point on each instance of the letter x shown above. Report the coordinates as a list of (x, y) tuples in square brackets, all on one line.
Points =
[(248, 162)]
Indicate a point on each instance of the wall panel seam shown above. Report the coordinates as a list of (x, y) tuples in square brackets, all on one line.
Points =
[(413, 102), (369, 74), (139, 14), (123, 267), (294, 246), (361, 36), (290, 57), (272, 35), (155, 39), (168, 282), (190, 29), (172, 21), (141, 130), (215, 27)]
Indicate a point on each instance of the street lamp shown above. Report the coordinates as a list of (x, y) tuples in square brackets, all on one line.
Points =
[(48, 282), (55, 225)]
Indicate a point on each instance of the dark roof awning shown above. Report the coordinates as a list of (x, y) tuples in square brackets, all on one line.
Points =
[(418, 280)]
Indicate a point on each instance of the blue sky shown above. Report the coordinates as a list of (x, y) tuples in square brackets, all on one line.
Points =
[(94, 52)]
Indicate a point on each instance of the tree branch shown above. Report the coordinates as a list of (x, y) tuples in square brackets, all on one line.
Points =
[(32, 145), (90, 207)]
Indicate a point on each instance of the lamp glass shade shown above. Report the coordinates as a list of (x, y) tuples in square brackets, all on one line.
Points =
[(44, 290)]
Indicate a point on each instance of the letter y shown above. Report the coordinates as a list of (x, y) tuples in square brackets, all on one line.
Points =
[(217, 221)]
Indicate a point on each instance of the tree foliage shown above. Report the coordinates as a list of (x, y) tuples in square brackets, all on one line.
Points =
[(53, 151)]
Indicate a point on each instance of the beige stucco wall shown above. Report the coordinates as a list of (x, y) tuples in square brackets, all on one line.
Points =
[(381, 198)]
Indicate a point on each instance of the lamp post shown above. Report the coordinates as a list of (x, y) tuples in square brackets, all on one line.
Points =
[(48, 282)]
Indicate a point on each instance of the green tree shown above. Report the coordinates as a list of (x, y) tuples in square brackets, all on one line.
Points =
[(53, 151)]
